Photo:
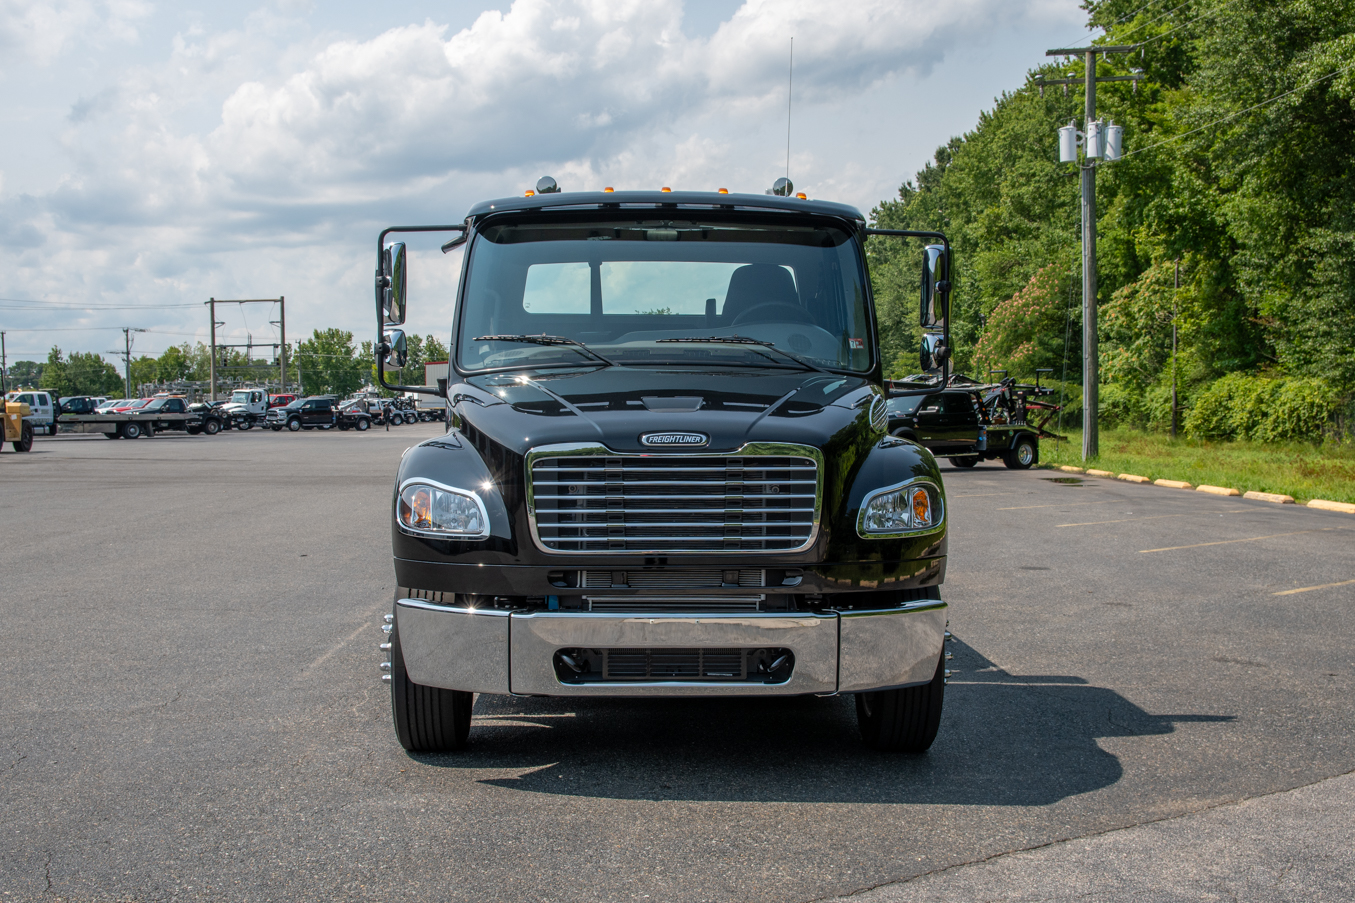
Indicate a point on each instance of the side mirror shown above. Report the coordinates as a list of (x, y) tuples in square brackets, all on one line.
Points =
[(397, 351), (935, 297), (394, 284)]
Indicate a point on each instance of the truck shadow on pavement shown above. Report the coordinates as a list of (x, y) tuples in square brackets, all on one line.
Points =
[(1005, 740)]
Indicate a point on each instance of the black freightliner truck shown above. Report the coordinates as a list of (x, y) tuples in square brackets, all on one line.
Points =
[(666, 470)]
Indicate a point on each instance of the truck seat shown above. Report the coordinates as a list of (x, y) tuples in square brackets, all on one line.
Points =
[(756, 284)]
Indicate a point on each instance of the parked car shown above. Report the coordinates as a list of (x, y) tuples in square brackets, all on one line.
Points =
[(135, 404), (79, 404), (281, 401), (111, 404), (305, 414), (44, 406)]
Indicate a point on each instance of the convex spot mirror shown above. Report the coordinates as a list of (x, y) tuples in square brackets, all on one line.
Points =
[(398, 355), (935, 287), (934, 352), (394, 284)]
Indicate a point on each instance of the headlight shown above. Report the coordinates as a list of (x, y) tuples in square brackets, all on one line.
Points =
[(431, 509), (914, 508)]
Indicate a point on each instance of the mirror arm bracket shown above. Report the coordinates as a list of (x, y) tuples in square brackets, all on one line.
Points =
[(377, 350)]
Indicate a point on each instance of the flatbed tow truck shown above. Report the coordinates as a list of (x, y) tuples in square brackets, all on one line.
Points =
[(967, 421), (164, 413)]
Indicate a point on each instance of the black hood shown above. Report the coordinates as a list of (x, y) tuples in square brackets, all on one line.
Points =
[(615, 406)]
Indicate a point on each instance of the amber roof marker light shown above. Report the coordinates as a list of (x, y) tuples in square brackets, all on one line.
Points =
[(608, 190), (801, 195), (665, 188), (722, 191)]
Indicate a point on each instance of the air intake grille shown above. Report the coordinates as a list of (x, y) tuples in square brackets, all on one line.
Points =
[(677, 503), (766, 666)]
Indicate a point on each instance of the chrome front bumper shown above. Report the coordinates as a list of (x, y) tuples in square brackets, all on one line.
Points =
[(486, 651)]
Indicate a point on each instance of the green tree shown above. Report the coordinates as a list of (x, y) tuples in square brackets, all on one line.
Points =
[(88, 373), (175, 364), (327, 363), (54, 374), (25, 373)]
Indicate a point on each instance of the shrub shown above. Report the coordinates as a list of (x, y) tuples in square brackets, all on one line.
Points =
[(1239, 406), (1301, 409)]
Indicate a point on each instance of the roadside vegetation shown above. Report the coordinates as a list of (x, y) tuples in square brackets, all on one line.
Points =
[(1303, 470), (1238, 182)]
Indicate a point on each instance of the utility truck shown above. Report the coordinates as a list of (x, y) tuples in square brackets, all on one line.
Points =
[(18, 428), (247, 408), (666, 470)]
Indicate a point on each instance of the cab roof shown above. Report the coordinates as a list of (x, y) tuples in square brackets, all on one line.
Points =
[(638, 201)]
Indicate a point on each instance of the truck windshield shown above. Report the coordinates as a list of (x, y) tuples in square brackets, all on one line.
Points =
[(239, 398), (627, 290)]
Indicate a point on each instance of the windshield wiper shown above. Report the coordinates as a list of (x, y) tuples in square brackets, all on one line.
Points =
[(547, 340), (744, 340)]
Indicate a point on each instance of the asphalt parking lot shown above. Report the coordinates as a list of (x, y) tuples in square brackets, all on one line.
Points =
[(192, 707)]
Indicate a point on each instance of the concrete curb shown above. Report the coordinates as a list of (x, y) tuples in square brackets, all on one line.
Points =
[(1324, 505), (1275, 497)]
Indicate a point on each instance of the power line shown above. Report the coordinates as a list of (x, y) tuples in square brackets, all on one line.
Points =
[(62, 305), (1230, 116), (1203, 15)]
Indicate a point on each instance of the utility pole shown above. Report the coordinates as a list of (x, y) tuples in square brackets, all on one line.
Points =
[(281, 323), (213, 302), (127, 355), (4, 363), (1175, 296), (1095, 146)]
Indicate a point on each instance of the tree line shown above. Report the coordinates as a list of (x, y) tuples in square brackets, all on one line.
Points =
[(1238, 179), (327, 363)]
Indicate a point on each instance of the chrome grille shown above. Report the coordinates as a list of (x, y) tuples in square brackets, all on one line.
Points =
[(600, 503)]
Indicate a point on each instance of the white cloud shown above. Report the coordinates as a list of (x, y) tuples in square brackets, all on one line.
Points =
[(253, 160)]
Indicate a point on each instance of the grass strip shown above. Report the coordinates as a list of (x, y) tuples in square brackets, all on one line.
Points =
[(1302, 470)]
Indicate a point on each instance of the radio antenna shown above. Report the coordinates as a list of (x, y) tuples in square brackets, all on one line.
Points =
[(790, 83)]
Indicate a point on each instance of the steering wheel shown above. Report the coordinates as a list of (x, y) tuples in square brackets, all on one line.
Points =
[(774, 312)]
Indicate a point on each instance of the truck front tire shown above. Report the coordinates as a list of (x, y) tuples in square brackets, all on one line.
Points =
[(427, 719), (904, 720), (131, 431), (1023, 454), (25, 442), (211, 427)]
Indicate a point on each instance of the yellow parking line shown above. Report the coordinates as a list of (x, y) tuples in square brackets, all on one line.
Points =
[(1065, 505), (1123, 520), (1308, 589), (1224, 542)]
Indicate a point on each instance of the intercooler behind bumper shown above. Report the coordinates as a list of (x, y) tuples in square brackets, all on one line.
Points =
[(497, 652)]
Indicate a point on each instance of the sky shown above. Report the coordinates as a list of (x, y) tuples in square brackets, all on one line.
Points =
[(155, 155)]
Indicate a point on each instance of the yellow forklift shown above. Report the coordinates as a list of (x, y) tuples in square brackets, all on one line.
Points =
[(18, 431)]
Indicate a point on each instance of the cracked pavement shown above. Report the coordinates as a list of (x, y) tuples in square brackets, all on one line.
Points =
[(192, 709)]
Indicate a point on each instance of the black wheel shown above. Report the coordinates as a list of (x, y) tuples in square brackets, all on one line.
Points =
[(1023, 454), (363, 424), (245, 425), (131, 431), (211, 426), (51, 430), (966, 461), (192, 430), (112, 435), (25, 442), (411, 417), (277, 428), (427, 719), (294, 424), (903, 720), (343, 427)]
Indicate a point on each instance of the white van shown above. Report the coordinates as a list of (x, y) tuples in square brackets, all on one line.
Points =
[(43, 405)]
